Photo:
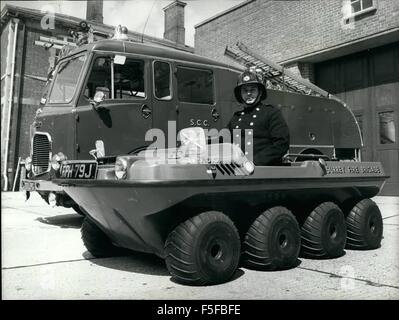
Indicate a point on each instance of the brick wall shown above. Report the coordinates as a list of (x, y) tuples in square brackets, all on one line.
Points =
[(35, 62), (36, 57), (283, 30), (31, 60), (4, 46)]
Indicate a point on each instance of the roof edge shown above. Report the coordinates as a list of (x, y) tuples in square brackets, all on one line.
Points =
[(242, 4), (308, 57), (71, 20)]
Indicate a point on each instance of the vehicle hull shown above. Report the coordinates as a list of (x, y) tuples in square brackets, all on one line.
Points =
[(139, 214)]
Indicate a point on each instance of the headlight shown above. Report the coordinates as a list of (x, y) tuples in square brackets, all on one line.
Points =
[(28, 164), (120, 168), (56, 160)]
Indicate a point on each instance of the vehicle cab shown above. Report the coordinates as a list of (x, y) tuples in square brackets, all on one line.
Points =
[(115, 97)]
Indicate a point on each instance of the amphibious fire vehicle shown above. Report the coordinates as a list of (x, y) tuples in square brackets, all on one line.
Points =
[(112, 92), (205, 208)]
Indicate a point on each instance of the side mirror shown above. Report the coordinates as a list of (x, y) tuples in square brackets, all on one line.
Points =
[(98, 98)]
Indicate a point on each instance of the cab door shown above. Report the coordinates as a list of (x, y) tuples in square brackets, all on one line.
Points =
[(164, 104), (123, 118), (196, 105)]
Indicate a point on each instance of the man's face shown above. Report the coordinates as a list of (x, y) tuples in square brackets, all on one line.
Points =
[(249, 93)]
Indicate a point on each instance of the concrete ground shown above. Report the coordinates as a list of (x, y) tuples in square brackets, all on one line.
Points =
[(43, 257)]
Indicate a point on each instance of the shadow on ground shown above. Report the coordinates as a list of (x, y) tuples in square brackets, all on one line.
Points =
[(238, 274), (266, 269), (131, 261), (139, 262), (305, 256), (63, 221)]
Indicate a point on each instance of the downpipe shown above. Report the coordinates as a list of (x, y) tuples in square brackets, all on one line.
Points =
[(10, 102)]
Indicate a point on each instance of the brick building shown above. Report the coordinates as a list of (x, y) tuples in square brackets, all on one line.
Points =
[(349, 48), (30, 42)]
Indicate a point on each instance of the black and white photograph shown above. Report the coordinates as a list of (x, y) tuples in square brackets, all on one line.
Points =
[(181, 151)]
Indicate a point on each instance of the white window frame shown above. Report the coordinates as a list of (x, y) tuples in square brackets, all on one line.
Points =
[(363, 11)]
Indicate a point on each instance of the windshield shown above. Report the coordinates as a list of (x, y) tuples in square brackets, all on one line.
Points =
[(66, 80)]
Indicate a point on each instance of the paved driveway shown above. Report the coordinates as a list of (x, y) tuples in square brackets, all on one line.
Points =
[(43, 257)]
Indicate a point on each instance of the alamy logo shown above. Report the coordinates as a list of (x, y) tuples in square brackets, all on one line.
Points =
[(194, 144), (48, 20), (347, 274)]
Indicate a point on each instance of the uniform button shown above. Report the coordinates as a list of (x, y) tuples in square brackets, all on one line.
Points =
[(246, 152), (257, 109), (250, 132), (237, 127), (251, 124), (249, 143), (239, 119), (254, 116), (237, 135), (242, 113)]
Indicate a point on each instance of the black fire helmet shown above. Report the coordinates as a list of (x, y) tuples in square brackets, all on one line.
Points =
[(247, 77)]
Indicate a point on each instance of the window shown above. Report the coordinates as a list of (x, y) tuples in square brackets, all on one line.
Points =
[(66, 80), (361, 5), (162, 88), (194, 85), (387, 127), (128, 79)]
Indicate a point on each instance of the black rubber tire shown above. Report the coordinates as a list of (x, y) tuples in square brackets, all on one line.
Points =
[(273, 241), (324, 232), (78, 210), (203, 250), (96, 241), (364, 225)]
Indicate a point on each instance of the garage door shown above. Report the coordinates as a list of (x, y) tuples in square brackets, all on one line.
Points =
[(369, 83)]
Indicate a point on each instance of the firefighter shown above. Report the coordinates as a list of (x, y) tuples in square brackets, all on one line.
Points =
[(258, 124)]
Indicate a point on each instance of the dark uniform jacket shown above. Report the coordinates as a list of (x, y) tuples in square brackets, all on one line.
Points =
[(266, 128)]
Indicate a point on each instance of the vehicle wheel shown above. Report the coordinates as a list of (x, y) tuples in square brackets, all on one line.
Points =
[(78, 210), (203, 250), (96, 241), (364, 224), (324, 232), (273, 241)]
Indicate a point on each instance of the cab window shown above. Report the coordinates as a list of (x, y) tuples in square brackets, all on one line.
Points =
[(162, 80), (195, 85), (66, 80), (128, 79)]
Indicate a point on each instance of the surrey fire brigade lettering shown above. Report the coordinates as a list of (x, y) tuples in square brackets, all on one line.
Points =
[(372, 169), (354, 170), (335, 170)]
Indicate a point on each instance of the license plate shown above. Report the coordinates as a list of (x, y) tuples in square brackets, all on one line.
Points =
[(78, 170)]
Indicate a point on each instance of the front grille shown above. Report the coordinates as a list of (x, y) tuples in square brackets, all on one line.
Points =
[(41, 153)]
